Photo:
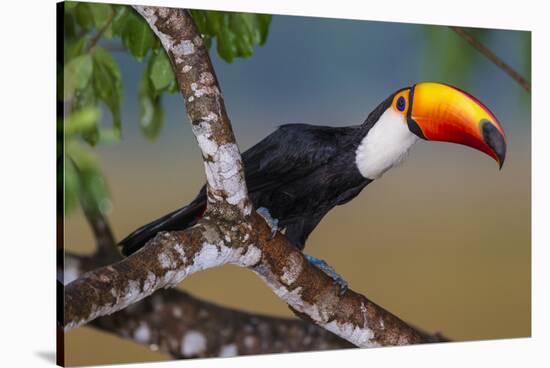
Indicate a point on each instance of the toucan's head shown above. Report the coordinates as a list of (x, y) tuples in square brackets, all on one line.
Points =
[(434, 112)]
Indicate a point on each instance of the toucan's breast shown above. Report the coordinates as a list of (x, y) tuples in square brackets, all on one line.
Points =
[(385, 145)]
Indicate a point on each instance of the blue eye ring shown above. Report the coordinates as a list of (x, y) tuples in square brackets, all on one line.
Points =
[(401, 103)]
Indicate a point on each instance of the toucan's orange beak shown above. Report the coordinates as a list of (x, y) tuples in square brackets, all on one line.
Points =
[(440, 112)]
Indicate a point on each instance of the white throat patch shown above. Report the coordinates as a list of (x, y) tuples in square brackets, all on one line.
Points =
[(385, 145)]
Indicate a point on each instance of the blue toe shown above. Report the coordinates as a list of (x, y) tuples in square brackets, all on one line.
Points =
[(323, 266)]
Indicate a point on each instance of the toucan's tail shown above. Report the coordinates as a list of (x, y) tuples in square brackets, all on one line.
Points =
[(177, 220)]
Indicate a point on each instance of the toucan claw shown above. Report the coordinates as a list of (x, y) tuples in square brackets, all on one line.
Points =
[(323, 266), (272, 222)]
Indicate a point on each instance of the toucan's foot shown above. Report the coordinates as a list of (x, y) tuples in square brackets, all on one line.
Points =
[(323, 266), (272, 222)]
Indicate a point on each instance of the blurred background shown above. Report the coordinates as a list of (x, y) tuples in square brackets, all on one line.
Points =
[(443, 241)]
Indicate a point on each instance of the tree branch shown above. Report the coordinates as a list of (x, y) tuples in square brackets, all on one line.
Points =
[(229, 232), (163, 321), (489, 54), (226, 187), (105, 241)]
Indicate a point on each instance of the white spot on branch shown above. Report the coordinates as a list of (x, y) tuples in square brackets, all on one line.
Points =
[(183, 48), (206, 78), (198, 41), (249, 341), (292, 269), (208, 146), (193, 343), (210, 117), (179, 248), (71, 270), (359, 336), (203, 132), (166, 261), (149, 283), (251, 256), (229, 351), (223, 173), (142, 334), (177, 312), (201, 90), (149, 14), (211, 256)]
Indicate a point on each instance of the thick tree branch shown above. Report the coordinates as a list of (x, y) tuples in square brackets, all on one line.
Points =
[(229, 232), (489, 54), (163, 321), (226, 187)]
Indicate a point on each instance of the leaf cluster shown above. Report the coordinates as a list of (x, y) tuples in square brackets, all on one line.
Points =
[(91, 85)]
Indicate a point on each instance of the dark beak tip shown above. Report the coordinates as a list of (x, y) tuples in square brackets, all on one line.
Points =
[(495, 140)]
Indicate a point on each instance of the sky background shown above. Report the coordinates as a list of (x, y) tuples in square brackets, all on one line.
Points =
[(443, 241)]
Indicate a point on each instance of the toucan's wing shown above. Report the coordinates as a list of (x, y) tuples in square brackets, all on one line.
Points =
[(176, 220), (293, 151)]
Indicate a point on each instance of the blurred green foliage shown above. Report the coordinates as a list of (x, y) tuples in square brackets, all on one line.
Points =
[(90, 82), (236, 33)]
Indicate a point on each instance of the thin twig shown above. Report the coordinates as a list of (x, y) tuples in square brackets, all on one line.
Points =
[(100, 33), (103, 234), (489, 54), (105, 240)]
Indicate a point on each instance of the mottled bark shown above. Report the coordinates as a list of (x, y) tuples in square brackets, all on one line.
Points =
[(170, 318), (174, 322), (226, 188), (229, 232)]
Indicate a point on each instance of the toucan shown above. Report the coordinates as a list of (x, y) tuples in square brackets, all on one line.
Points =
[(300, 172)]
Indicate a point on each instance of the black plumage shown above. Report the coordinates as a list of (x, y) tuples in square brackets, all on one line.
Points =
[(299, 173)]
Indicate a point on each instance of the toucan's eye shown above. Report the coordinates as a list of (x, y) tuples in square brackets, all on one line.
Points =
[(401, 103)]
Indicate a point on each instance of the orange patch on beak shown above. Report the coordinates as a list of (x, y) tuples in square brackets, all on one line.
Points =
[(444, 113)]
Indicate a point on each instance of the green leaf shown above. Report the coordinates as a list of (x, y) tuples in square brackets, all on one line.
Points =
[(76, 75), (73, 48), (101, 15), (215, 21), (227, 48), (85, 97), (150, 108), (70, 5), (70, 186), (84, 16), (108, 136), (119, 21), (82, 121), (199, 16), (236, 33), (91, 184), (137, 36), (242, 25), (108, 83), (69, 23), (263, 21), (161, 72)]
